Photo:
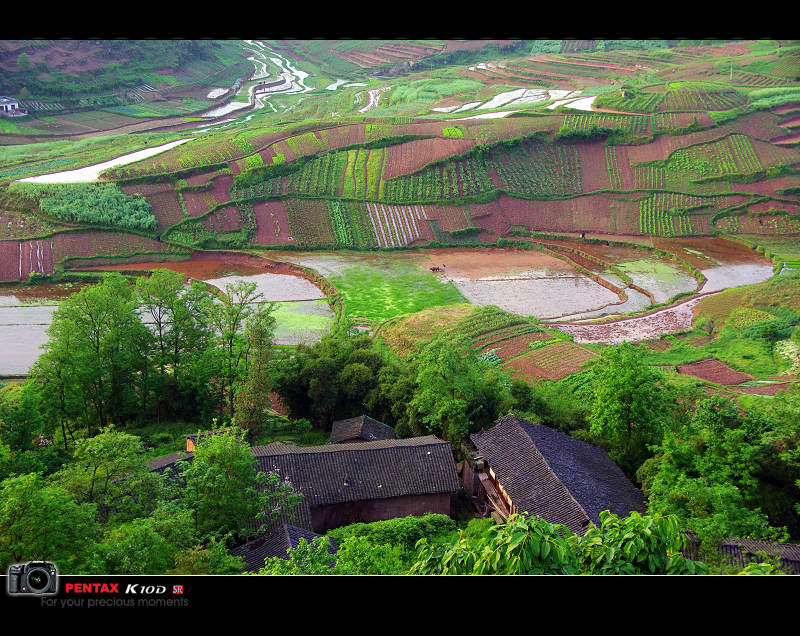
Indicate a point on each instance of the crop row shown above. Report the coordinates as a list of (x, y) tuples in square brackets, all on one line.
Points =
[(590, 123), (393, 225), (535, 169), (691, 98), (656, 213), (461, 178)]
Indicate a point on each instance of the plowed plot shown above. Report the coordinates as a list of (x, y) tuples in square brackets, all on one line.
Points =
[(764, 389), (713, 370), (507, 349), (553, 362)]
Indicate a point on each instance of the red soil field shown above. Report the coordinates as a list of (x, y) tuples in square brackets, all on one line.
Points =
[(96, 243), (592, 161), (162, 199), (414, 155), (272, 224), (507, 349), (770, 155), (9, 260), (19, 259), (713, 370), (766, 389), (760, 125), (552, 362), (207, 265)]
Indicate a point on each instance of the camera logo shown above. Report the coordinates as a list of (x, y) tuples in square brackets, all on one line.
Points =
[(35, 577)]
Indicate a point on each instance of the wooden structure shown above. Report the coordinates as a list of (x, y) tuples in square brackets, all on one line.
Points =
[(520, 467)]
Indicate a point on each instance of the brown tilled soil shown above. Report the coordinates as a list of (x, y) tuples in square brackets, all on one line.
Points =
[(208, 265), (507, 349), (766, 389), (713, 370)]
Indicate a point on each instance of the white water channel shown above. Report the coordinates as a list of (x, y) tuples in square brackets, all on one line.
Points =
[(92, 173)]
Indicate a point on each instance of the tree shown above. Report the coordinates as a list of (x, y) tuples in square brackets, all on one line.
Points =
[(636, 544), (454, 395), (629, 406), (23, 62), (355, 555), (228, 317), (522, 545), (42, 522), (705, 475), (225, 491), (182, 341), (252, 398), (109, 470), (95, 353)]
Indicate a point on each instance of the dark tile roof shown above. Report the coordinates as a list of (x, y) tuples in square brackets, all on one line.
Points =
[(339, 473), (555, 476), (740, 552), (275, 543), (160, 464), (361, 427), (358, 471)]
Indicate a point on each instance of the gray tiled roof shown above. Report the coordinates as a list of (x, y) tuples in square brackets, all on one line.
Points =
[(338, 473), (359, 471), (740, 552), (275, 543), (555, 476), (167, 461), (361, 427)]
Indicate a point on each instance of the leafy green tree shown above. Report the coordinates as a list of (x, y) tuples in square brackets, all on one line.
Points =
[(522, 545), (109, 470), (183, 341), (252, 397), (225, 491), (228, 318), (95, 353), (42, 522), (454, 395), (705, 475), (212, 558), (133, 548), (636, 544), (629, 405), (355, 555)]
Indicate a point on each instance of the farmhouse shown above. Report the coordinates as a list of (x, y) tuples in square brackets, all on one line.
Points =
[(192, 440), (359, 481), (9, 106), (360, 429), (366, 481), (519, 467)]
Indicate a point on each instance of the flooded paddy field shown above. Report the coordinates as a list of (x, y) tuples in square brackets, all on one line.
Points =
[(525, 282), (724, 263), (302, 313)]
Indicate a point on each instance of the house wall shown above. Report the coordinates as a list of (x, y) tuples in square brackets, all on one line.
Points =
[(323, 518)]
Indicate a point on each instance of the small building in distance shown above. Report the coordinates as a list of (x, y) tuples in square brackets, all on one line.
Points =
[(10, 106), (360, 429), (518, 467)]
